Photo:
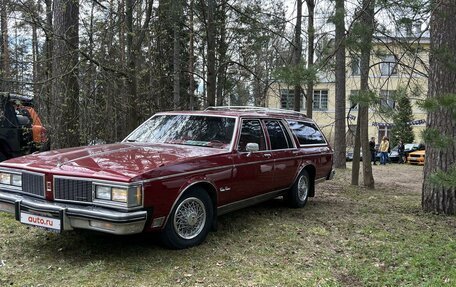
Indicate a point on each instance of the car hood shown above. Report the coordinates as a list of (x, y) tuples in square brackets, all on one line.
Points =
[(122, 161)]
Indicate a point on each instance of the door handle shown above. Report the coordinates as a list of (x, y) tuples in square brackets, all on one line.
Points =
[(267, 155)]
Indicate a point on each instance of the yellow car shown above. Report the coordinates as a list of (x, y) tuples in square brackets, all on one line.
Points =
[(416, 157)]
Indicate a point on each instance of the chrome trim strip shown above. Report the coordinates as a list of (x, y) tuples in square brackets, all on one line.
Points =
[(11, 170), (80, 217), (248, 201)]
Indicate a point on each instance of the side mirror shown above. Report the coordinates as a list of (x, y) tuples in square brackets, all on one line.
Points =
[(252, 147)]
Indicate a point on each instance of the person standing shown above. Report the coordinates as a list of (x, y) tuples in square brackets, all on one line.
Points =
[(400, 151), (384, 147), (372, 150)]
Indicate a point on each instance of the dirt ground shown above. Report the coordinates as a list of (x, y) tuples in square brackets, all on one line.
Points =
[(402, 176)]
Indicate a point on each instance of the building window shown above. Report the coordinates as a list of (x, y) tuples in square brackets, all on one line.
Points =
[(355, 66), (388, 66), (320, 100), (387, 100), (287, 99)]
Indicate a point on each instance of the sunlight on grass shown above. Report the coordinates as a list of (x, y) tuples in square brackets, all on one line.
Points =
[(345, 236)]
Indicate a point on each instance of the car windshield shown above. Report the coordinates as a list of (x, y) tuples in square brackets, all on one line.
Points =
[(410, 146), (207, 131)]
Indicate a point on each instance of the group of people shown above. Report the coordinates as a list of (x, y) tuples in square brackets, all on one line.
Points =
[(384, 150)]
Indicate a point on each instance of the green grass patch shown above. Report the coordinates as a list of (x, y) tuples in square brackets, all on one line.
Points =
[(345, 236)]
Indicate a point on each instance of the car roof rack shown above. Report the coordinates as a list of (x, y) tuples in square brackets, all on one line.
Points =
[(254, 109)]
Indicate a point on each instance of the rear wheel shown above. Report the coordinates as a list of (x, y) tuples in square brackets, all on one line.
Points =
[(299, 192), (190, 220)]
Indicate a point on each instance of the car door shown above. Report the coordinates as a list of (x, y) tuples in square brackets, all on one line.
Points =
[(284, 153), (252, 171)]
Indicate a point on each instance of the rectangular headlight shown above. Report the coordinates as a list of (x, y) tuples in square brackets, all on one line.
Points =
[(16, 179), (11, 178), (126, 196), (5, 178), (103, 192), (120, 194)]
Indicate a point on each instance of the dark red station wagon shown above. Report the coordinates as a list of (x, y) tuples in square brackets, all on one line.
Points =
[(174, 174)]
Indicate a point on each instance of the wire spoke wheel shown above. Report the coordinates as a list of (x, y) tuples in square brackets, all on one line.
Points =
[(303, 187), (299, 193), (190, 218)]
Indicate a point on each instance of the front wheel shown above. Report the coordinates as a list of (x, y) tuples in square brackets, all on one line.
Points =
[(299, 193), (190, 220)]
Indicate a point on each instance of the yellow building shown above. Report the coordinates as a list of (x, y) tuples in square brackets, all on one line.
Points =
[(394, 65)]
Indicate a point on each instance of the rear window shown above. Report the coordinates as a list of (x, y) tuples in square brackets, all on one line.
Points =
[(307, 133)]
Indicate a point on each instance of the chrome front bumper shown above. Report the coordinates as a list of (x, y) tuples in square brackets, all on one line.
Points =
[(75, 216)]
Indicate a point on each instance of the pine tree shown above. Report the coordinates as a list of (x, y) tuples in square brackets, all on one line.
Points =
[(401, 121)]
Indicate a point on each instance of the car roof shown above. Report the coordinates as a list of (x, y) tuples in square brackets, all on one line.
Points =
[(246, 111)]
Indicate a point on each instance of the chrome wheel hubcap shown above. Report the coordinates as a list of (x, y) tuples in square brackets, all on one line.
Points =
[(303, 188), (190, 218)]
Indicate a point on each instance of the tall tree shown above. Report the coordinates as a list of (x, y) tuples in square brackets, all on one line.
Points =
[(65, 87), (191, 58), (441, 121), (297, 54), (402, 118), (135, 38), (4, 48), (310, 55), (339, 125), (177, 26), (365, 29), (211, 77), (222, 49)]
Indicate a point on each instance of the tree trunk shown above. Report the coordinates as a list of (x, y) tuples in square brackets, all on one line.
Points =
[(211, 75), (4, 50), (437, 198), (339, 133), (65, 88), (132, 82), (297, 53), (356, 155), (35, 58), (310, 55), (135, 38), (222, 50), (368, 20), (191, 59), (176, 53), (43, 102)]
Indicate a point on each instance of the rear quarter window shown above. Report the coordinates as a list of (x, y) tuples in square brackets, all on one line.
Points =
[(307, 133)]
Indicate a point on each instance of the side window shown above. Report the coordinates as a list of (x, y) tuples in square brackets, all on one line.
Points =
[(251, 132), (278, 136), (307, 133)]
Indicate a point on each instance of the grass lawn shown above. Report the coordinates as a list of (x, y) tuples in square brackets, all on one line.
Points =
[(345, 236)]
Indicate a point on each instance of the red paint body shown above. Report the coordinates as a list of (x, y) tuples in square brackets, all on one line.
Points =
[(166, 170)]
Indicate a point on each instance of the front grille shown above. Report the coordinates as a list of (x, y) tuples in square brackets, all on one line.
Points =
[(74, 190), (33, 183)]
